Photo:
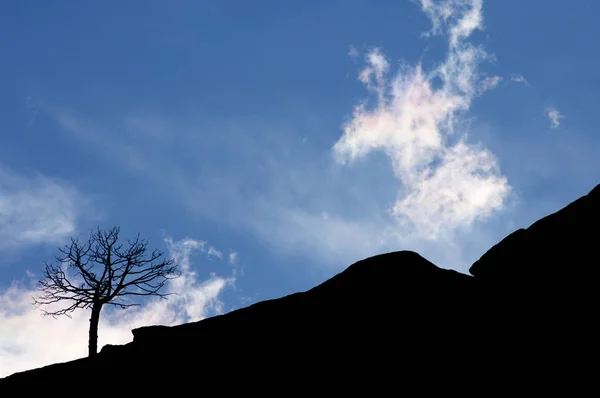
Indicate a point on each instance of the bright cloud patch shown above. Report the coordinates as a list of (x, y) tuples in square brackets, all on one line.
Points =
[(28, 340), (445, 184), (36, 209), (554, 116)]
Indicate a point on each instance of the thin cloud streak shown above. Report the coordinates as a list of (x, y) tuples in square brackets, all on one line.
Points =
[(519, 79), (214, 252), (37, 209)]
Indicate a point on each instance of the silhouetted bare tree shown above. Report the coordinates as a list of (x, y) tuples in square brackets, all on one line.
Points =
[(101, 272)]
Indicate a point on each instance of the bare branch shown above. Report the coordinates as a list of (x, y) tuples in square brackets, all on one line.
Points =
[(102, 271)]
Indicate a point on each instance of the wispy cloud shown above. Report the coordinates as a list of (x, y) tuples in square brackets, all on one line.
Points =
[(125, 147), (263, 199), (28, 340), (214, 252), (353, 52), (37, 209), (489, 83), (33, 111), (554, 116), (457, 18), (444, 185), (519, 79)]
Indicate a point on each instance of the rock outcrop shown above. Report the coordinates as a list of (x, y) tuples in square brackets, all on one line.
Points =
[(526, 317)]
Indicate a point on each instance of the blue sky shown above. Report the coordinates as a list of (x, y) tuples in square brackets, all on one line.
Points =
[(267, 146)]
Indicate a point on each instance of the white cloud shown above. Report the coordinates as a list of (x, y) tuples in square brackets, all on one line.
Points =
[(554, 116), (489, 83), (353, 52), (373, 75), (461, 17), (36, 209), (519, 79), (233, 258), (444, 185), (28, 340), (214, 252)]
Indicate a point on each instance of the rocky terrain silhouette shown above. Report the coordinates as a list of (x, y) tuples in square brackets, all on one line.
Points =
[(526, 316)]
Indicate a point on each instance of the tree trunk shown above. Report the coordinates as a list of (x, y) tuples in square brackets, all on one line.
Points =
[(94, 319)]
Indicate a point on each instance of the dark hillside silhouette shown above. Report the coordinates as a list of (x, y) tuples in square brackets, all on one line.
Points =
[(392, 323)]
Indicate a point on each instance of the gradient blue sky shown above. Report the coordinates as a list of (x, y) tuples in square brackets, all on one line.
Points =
[(269, 144)]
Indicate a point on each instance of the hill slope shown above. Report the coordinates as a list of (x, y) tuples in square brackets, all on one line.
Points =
[(389, 319)]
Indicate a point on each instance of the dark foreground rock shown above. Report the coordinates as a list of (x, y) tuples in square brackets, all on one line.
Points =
[(393, 322)]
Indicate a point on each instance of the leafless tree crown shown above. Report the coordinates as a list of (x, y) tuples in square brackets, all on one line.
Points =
[(106, 272)]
